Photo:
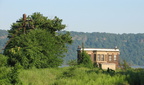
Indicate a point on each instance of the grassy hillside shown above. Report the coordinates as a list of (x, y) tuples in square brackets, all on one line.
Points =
[(80, 76)]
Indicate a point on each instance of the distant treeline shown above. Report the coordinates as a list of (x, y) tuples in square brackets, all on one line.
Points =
[(131, 45), (3, 38)]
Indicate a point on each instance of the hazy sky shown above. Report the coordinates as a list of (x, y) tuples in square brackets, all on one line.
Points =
[(112, 16)]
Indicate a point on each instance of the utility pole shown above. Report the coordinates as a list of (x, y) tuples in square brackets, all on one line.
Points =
[(24, 24)]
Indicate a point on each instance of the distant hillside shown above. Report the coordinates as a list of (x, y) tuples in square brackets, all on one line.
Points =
[(131, 45), (3, 38)]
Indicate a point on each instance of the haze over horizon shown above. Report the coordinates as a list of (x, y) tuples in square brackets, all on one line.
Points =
[(110, 16)]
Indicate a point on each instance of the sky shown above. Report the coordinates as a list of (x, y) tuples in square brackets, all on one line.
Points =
[(110, 16)]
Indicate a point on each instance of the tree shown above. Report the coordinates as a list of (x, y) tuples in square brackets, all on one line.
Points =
[(40, 45), (85, 59), (124, 65)]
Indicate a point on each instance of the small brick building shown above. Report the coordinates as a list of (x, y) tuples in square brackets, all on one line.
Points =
[(104, 58)]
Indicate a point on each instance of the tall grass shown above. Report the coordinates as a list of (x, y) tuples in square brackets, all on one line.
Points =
[(80, 76), (39, 76)]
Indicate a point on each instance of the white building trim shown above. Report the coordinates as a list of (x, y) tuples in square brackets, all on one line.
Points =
[(98, 49)]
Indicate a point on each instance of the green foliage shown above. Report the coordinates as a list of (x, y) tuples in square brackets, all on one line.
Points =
[(69, 73), (81, 76), (39, 21), (131, 45), (40, 76), (124, 65), (4, 77), (7, 76), (40, 45), (85, 60), (72, 63), (135, 76), (37, 48), (74, 76), (13, 75), (3, 60)]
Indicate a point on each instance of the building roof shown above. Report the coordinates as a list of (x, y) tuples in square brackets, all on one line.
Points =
[(98, 49)]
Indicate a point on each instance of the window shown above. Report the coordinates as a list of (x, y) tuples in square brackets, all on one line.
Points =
[(110, 58), (94, 57), (102, 57), (98, 57), (115, 57)]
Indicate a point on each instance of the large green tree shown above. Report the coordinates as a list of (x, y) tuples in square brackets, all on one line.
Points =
[(37, 42)]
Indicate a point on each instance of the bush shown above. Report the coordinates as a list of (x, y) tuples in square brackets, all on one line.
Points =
[(72, 63), (4, 79), (3, 60)]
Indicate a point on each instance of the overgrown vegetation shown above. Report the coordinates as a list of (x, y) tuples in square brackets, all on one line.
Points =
[(8, 75), (35, 50), (34, 42), (84, 59), (4, 79), (81, 76), (37, 43)]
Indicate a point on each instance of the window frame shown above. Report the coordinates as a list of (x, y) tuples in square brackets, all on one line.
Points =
[(110, 57), (115, 57)]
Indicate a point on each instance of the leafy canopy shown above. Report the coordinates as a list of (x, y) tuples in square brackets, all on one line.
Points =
[(85, 59), (41, 45)]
